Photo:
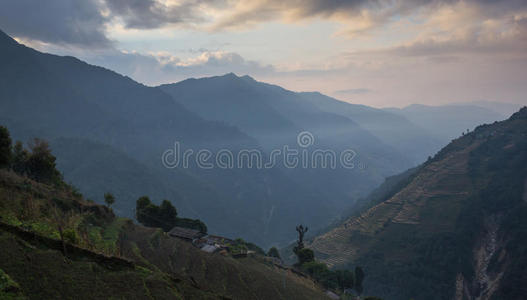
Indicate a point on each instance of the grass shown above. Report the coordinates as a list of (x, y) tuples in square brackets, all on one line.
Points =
[(164, 268), (9, 289)]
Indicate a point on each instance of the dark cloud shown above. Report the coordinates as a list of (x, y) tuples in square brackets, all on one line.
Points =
[(148, 14), (83, 22), (55, 21), (145, 14), (371, 13)]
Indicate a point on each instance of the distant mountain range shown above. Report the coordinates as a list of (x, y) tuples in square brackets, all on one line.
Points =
[(448, 121), (453, 228), (275, 116), (109, 133)]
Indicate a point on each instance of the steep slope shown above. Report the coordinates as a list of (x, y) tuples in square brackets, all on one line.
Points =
[(129, 126), (453, 228), (104, 256)]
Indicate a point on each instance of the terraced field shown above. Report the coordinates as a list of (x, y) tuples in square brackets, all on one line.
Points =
[(426, 234)]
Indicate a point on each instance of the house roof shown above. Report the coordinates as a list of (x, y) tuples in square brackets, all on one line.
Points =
[(218, 239), (185, 233)]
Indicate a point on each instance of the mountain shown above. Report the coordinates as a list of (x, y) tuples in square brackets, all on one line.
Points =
[(58, 245), (127, 178), (453, 228), (234, 100), (503, 108), (393, 129), (275, 117), (91, 114), (109, 134), (448, 121)]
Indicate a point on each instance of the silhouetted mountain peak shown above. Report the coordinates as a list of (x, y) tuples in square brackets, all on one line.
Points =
[(234, 77), (520, 115), (5, 39), (230, 75)]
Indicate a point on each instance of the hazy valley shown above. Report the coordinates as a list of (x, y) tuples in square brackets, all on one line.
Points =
[(227, 186)]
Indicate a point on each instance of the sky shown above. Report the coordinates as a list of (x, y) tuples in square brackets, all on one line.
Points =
[(378, 53)]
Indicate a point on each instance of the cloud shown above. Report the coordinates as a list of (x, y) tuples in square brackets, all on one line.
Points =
[(402, 49), (456, 32), (162, 67), (65, 22), (148, 14), (85, 22), (353, 91)]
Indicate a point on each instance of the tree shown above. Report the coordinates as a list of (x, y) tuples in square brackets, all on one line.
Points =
[(163, 216), (5, 147), (19, 159), (273, 252), (142, 203), (300, 243), (41, 163), (167, 211), (305, 255), (109, 199), (147, 213)]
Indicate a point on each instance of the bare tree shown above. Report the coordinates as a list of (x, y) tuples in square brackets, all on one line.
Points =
[(301, 232)]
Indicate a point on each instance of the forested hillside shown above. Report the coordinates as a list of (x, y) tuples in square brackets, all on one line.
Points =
[(455, 227)]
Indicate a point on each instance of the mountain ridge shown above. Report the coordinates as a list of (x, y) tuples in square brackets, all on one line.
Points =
[(74, 100)]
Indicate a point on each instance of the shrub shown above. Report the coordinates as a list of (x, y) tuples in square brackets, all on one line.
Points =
[(321, 273), (70, 236), (273, 252), (305, 255)]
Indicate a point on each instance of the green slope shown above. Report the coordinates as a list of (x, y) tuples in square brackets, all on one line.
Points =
[(106, 257), (454, 227)]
